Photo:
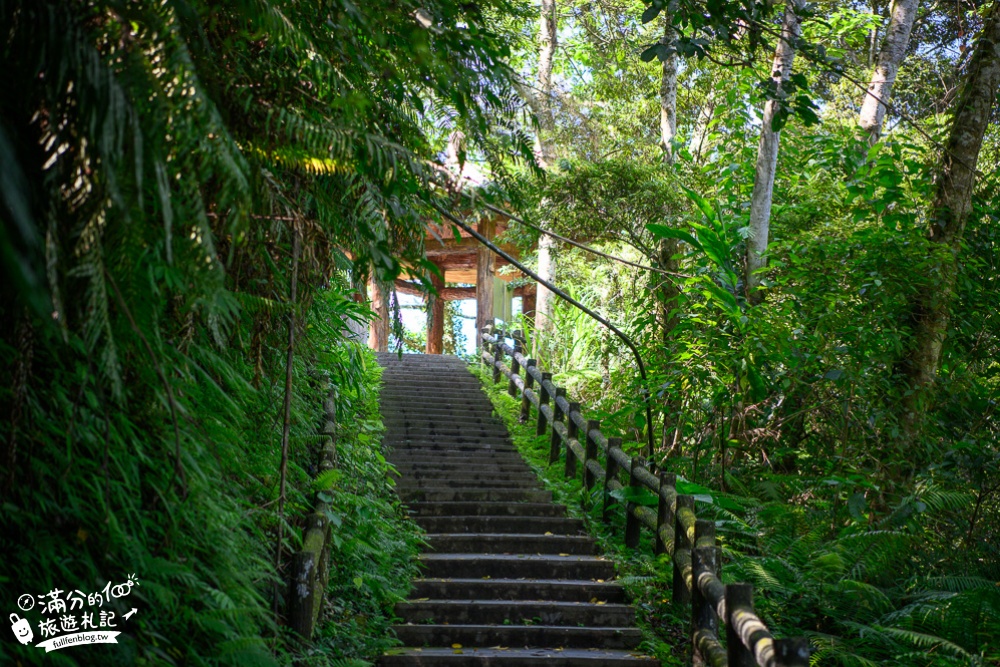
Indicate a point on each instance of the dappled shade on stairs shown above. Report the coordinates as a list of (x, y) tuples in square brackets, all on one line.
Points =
[(508, 578)]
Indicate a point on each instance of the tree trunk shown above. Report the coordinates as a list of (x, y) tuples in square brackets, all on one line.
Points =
[(668, 94), (435, 317), (897, 38), (664, 287), (545, 300), (547, 42), (484, 282), (378, 332), (930, 310), (767, 154), (357, 331), (699, 136)]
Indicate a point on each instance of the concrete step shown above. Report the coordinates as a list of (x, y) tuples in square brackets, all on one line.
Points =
[(507, 612), (422, 411), (406, 462), (474, 475), (464, 422), (450, 451), (441, 455), (567, 590), (500, 524), (445, 436), (518, 635), (453, 396), (448, 465), (513, 656), (466, 508), (510, 543), (463, 482), (514, 566), (432, 494), (463, 443), (447, 429)]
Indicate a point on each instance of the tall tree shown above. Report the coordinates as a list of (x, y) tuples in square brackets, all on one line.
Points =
[(547, 43), (668, 93), (897, 38), (767, 152), (667, 248), (930, 309)]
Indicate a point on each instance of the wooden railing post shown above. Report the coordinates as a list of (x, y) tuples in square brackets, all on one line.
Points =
[(665, 515), (515, 365), (557, 416), (572, 433), (543, 399), (704, 533), (529, 382), (681, 594), (704, 618), (498, 356), (611, 470), (739, 597), (792, 652), (590, 452), (632, 525), (485, 346), (302, 593)]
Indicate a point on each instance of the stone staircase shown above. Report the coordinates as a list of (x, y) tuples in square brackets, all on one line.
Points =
[(508, 578)]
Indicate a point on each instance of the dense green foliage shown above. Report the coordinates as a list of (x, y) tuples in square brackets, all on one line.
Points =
[(182, 183), (868, 528), (373, 545)]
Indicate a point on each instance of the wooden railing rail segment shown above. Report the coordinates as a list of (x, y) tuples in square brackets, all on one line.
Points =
[(690, 542)]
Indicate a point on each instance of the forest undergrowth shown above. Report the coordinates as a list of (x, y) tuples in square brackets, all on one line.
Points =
[(866, 590), (203, 552)]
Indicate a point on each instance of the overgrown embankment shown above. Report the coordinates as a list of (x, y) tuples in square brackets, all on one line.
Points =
[(116, 480), (863, 592)]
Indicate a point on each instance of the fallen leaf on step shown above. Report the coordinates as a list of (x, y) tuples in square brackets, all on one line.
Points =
[(548, 533), (456, 646)]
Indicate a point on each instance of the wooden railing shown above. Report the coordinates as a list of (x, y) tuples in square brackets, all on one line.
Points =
[(309, 570), (678, 532)]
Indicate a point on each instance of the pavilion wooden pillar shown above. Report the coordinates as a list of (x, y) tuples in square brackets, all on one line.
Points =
[(484, 281), (435, 316), (528, 303), (378, 332)]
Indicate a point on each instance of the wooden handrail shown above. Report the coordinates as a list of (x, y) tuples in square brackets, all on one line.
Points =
[(678, 533)]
